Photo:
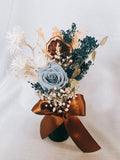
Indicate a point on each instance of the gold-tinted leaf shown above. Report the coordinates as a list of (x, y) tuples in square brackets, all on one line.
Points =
[(70, 81), (76, 73), (103, 41), (93, 55), (73, 83)]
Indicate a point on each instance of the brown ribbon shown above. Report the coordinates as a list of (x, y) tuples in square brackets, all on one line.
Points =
[(73, 125)]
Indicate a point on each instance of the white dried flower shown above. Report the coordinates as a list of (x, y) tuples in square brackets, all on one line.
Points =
[(69, 101), (75, 96), (60, 111), (18, 64), (54, 95), (40, 61), (63, 103), (23, 68), (55, 104), (16, 39), (54, 109), (56, 56), (50, 105), (68, 105), (61, 90), (60, 103), (66, 109), (59, 94)]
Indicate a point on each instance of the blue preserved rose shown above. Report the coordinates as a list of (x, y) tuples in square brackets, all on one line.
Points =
[(52, 76)]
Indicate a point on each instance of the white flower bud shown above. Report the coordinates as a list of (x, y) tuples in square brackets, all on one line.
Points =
[(66, 109), (60, 103), (55, 104), (56, 56), (71, 61), (54, 95), (50, 105), (59, 94), (63, 103), (60, 111), (69, 101), (62, 91), (54, 109), (68, 105)]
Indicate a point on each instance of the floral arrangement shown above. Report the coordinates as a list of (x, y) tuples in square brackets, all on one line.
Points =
[(54, 70)]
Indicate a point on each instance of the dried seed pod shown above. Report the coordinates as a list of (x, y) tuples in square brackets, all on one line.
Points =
[(57, 46)]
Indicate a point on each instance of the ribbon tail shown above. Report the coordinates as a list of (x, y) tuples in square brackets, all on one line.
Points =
[(80, 135), (49, 124)]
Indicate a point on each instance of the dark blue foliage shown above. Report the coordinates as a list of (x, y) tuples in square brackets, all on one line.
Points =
[(88, 44), (84, 68), (37, 87), (69, 71), (68, 35), (79, 55)]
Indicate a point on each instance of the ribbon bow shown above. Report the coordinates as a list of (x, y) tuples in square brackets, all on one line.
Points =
[(76, 130)]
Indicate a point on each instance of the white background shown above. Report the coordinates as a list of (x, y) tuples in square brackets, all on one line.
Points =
[(19, 127)]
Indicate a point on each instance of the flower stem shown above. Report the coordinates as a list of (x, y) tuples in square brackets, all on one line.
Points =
[(30, 47)]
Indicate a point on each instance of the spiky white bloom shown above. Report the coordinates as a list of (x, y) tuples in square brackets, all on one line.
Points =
[(18, 64), (16, 39), (40, 61)]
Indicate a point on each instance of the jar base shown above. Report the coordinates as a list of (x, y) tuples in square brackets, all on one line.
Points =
[(59, 135)]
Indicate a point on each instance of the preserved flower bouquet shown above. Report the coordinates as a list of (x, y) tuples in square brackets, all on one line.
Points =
[(54, 70)]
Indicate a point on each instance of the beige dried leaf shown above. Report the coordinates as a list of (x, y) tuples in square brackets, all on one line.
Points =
[(103, 41), (93, 55), (40, 34), (56, 32), (76, 37)]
